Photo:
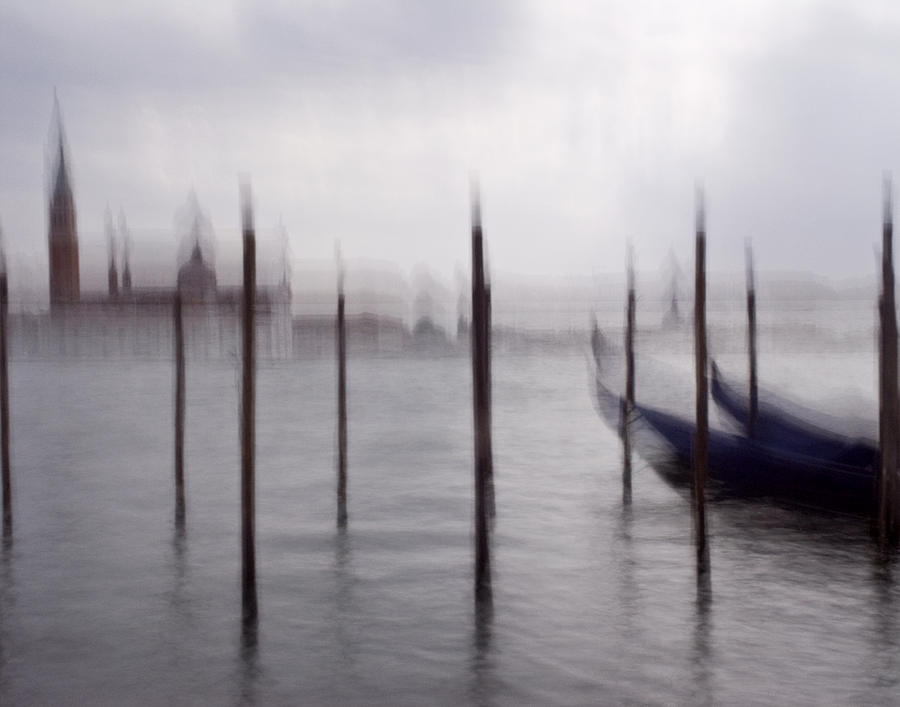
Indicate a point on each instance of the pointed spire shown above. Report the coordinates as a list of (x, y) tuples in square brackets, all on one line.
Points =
[(125, 236), (113, 274), (62, 233), (196, 233), (61, 182), (196, 253), (285, 254), (56, 119), (110, 230)]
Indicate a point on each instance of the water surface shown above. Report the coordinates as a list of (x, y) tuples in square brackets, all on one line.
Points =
[(102, 601)]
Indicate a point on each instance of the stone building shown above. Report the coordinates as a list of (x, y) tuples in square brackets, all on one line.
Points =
[(63, 229), (137, 321)]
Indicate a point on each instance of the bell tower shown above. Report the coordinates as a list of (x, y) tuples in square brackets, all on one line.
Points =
[(63, 232)]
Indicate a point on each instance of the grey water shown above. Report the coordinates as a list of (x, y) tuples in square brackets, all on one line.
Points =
[(103, 601)]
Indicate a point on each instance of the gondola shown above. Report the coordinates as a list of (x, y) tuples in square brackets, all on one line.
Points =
[(740, 466), (786, 425)]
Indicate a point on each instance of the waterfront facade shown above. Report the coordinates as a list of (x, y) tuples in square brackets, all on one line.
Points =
[(138, 321)]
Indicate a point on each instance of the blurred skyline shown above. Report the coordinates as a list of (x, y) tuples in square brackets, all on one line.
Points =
[(586, 124)]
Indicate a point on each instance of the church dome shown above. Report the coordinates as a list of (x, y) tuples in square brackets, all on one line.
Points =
[(196, 279)]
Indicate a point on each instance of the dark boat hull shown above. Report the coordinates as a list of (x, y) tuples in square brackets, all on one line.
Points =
[(740, 467), (793, 432)]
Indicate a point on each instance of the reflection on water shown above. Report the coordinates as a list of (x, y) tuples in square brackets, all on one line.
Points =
[(482, 664), (179, 602), (7, 607), (249, 668), (884, 653), (628, 589), (700, 650), (179, 513), (594, 600), (343, 601)]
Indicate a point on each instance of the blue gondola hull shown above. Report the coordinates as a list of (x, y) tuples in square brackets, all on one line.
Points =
[(741, 467)]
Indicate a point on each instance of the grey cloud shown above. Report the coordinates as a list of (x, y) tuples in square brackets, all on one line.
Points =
[(814, 128), (363, 120), (384, 37)]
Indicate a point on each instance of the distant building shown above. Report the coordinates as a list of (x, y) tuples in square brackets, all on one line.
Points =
[(136, 321), (112, 274), (196, 279), (63, 231), (113, 279), (428, 337), (126, 266)]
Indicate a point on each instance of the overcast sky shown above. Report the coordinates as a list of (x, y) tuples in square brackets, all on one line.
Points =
[(586, 123)]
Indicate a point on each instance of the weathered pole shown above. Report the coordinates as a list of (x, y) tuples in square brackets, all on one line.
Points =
[(628, 405), (481, 403), (179, 412), (751, 341), (890, 405), (4, 402), (342, 400), (701, 440), (248, 491)]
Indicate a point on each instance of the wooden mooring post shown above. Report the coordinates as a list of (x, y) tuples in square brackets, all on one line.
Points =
[(248, 419), (4, 402), (342, 399), (628, 403), (179, 412), (889, 407), (481, 404), (701, 439), (751, 341)]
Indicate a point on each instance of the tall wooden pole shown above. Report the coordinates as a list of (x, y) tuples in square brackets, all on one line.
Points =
[(179, 413), (248, 432), (4, 403), (629, 380), (488, 404), (342, 401), (890, 405), (701, 442), (751, 341), (481, 402), (881, 419)]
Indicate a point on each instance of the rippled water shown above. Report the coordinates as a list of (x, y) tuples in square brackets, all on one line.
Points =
[(101, 601)]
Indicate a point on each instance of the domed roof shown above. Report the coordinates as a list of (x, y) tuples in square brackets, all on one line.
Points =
[(196, 280)]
